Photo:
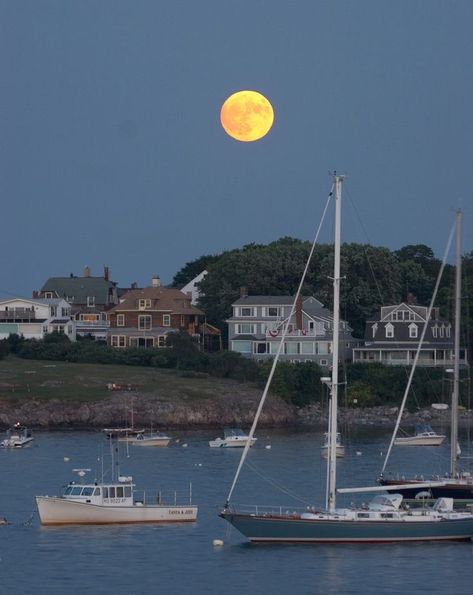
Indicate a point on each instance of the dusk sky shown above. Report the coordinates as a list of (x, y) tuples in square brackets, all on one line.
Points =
[(112, 152)]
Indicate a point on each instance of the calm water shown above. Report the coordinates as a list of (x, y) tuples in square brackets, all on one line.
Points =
[(180, 559)]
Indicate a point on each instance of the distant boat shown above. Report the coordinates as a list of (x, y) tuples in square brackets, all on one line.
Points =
[(232, 438), (424, 436), (17, 437), (152, 439), (340, 448)]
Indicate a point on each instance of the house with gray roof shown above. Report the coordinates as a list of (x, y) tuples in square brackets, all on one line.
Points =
[(257, 322), (392, 337), (90, 298)]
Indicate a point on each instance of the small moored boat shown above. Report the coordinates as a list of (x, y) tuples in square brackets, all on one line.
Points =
[(424, 436), (232, 438), (17, 437), (340, 448), (152, 439)]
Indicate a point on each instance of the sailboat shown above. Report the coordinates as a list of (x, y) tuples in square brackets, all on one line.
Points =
[(385, 519), (454, 483)]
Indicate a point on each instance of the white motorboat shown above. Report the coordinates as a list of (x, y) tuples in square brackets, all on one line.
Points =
[(424, 436), (152, 439), (96, 503), (17, 437), (232, 438), (340, 448)]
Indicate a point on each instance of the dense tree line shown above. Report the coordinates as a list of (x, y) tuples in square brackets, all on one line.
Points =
[(373, 276)]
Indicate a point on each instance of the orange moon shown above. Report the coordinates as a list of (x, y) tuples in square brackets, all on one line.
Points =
[(247, 116)]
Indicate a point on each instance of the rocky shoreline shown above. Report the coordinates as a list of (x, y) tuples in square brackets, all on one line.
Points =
[(228, 410)]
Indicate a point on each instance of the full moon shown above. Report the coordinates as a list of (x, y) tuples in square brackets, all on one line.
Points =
[(247, 116)]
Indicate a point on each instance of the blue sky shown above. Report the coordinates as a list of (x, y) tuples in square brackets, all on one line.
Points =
[(112, 151)]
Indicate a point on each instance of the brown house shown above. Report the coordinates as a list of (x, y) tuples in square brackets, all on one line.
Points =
[(145, 317)]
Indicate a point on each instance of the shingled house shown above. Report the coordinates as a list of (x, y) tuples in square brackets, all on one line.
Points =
[(392, 337), (89, 297), (145, 317), (257, 324)]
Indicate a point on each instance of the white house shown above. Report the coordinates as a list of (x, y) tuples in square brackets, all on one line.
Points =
[(35, 318)]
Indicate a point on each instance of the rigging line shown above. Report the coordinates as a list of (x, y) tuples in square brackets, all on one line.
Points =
[(419, 346), (275, 484), (281, 343)]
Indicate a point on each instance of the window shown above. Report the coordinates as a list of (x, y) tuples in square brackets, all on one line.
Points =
[(118, 341), (307, 348), (435, 330), (105, 492), (273, 311), (413, 331), (142, 304), (292, 348), (389, 330), (245, 329), (161, 341), (97, 492), (119, 491), (247, 312), (441, 331), (166, 320), (447, 330), (261, 347), (323, 362), (127, 492), (323, 347), (111, 491), (90, 301), (144, 323), (88, 491), (120, 319), (241, 346), (48, 295)]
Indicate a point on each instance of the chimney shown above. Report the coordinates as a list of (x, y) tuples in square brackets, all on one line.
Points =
[(299, 313), (134, 285), (411, 299), (155, 281), (35, 295), (243, 292), (106, 274), (87, 272)]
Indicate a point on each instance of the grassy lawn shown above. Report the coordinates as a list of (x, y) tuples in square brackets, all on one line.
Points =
[(44, 380)]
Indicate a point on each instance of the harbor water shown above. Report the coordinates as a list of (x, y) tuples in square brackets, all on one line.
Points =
[(284, 468)]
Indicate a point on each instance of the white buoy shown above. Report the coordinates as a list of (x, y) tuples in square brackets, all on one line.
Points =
[(184, 446), (217, 542), (358, 452), (268, 446), (66, 459)]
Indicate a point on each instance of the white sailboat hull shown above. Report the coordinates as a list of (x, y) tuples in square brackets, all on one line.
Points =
[(61, 511)]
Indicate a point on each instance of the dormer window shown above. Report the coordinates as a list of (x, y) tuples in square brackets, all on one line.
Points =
[(143, 304), (413, 331), (90, 301), (374, 329), (48, 295), (389, 329)]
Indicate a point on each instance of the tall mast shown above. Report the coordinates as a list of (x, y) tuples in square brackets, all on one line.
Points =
[(456, 356), (332, 454)]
